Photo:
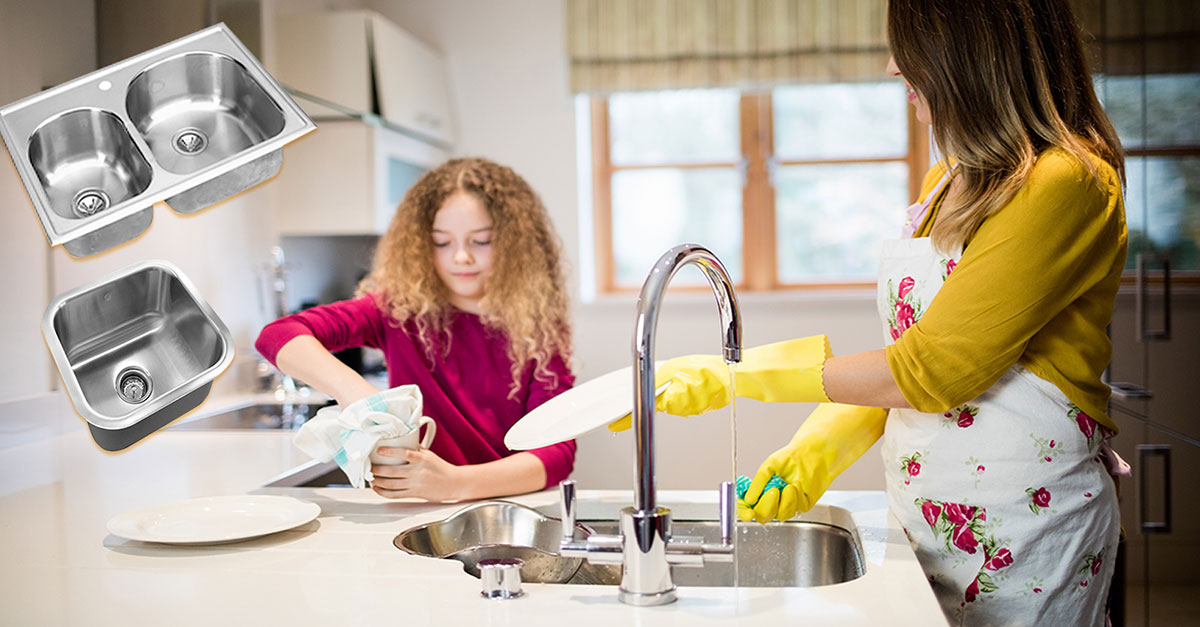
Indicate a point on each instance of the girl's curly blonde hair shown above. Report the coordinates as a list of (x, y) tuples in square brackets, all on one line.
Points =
[(525, 291)]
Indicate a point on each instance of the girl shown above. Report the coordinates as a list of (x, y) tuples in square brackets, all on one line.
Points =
[(466, 299), (995, 305)]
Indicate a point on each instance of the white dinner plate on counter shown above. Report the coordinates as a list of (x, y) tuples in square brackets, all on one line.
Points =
[(213, 519), (579, 410)]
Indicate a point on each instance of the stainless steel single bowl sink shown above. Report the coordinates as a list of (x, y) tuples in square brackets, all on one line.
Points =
[(191, 123), (136, 350), (776, 555), (496, 529)]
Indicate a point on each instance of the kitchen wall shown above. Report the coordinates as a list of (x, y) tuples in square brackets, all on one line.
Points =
[(508, 72), (509, 88), (31, 36)]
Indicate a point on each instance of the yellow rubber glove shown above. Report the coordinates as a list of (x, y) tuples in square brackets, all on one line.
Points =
[(783, 372), (831, 439)]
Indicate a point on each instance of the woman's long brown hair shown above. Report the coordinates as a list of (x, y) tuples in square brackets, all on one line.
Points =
[(525, 292), (1005, 80)]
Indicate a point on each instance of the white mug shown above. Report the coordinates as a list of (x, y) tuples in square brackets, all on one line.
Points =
[(410, 440)]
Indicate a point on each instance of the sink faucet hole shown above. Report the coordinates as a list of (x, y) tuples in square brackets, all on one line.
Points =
[(190, 141), (90, 201), (133, 385)]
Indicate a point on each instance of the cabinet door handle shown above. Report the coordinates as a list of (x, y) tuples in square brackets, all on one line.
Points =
[(1145, 451), (1163, 333), (1130, 391)]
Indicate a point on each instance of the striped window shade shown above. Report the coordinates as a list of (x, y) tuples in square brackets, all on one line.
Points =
[(630, 45)]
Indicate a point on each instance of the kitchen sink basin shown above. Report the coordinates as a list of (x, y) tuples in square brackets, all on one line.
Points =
[(776, 555), (191, 123), (136, 350), (199, 108), (497, 529), (86, 161), (284, 416), (821, 548)]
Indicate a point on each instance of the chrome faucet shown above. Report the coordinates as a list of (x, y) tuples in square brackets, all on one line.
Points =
[(279, 384), (645, 548)]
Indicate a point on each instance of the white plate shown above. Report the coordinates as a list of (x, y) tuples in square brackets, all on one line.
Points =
[(579, 410), (214, 519)]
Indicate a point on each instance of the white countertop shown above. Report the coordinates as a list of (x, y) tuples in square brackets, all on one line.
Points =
[(61, 567)]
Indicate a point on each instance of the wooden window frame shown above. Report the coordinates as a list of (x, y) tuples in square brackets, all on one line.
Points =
[(759, 254)]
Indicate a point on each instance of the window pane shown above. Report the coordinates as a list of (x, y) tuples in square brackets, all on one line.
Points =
[(654, 210), (841, 121), (830, 219), (1162, 209), (690, 126), (1171, 115)]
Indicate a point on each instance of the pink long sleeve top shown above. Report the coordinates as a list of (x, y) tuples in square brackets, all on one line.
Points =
[(465, 391)]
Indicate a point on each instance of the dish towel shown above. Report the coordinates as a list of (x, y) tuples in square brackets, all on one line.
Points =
[(347, 436)]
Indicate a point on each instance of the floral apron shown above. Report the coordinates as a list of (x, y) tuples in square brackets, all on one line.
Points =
[(1004, 498)]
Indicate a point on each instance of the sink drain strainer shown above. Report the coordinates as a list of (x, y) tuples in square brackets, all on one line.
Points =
[(190, 141), (133, 385), (90, 201)]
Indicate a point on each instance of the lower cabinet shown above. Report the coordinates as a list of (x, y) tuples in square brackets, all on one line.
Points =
[(1160, 513)]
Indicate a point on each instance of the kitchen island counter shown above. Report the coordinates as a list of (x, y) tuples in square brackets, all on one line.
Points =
[(62, 567)]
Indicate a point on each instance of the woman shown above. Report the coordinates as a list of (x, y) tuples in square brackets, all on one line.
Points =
[(466, 300), (995, 308)]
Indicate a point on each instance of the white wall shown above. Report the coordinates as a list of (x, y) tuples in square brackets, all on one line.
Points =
[(34, 57), (509, 81)]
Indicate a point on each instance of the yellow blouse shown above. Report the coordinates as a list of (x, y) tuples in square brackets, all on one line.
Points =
[(1035, 286)]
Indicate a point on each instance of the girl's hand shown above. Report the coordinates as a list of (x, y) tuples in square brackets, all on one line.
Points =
[(353, 389), (426, 476)]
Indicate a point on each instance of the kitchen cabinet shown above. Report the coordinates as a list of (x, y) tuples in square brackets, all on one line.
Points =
[(1161, 518), (359, 61), (128, 27), (348, 177), (1148, 80)]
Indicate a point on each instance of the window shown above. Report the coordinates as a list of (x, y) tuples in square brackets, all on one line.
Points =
[(790, 188), (1159, 125)]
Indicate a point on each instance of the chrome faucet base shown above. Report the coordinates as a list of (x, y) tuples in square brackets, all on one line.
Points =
[(646, 599), (646, 572)]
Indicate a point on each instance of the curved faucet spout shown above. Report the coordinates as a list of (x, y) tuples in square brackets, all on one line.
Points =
[(643, 349)]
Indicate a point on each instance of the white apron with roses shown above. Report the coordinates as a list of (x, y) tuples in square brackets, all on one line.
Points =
[(1004, 498)]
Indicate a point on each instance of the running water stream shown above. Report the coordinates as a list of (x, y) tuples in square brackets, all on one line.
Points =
[(733, 475)]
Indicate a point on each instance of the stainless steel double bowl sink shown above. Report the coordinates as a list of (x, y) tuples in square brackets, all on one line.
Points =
[(136, 350), (820, 548), (191, 123)]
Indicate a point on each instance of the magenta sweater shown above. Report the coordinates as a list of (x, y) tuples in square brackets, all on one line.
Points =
[(466, 391)]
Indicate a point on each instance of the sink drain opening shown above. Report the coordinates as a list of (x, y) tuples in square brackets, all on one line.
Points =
[(133, 385), (190, 141), (90, 201)]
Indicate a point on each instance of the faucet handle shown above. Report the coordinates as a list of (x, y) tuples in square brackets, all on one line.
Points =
[(727, 503), (566, 493)]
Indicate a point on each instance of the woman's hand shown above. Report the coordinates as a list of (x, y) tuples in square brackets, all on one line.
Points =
[(425, 476)]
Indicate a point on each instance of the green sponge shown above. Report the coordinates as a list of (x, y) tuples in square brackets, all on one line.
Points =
[(743, 484)]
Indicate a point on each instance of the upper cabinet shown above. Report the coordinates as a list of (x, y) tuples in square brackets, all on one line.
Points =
[(358, 61), (410, 82)]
